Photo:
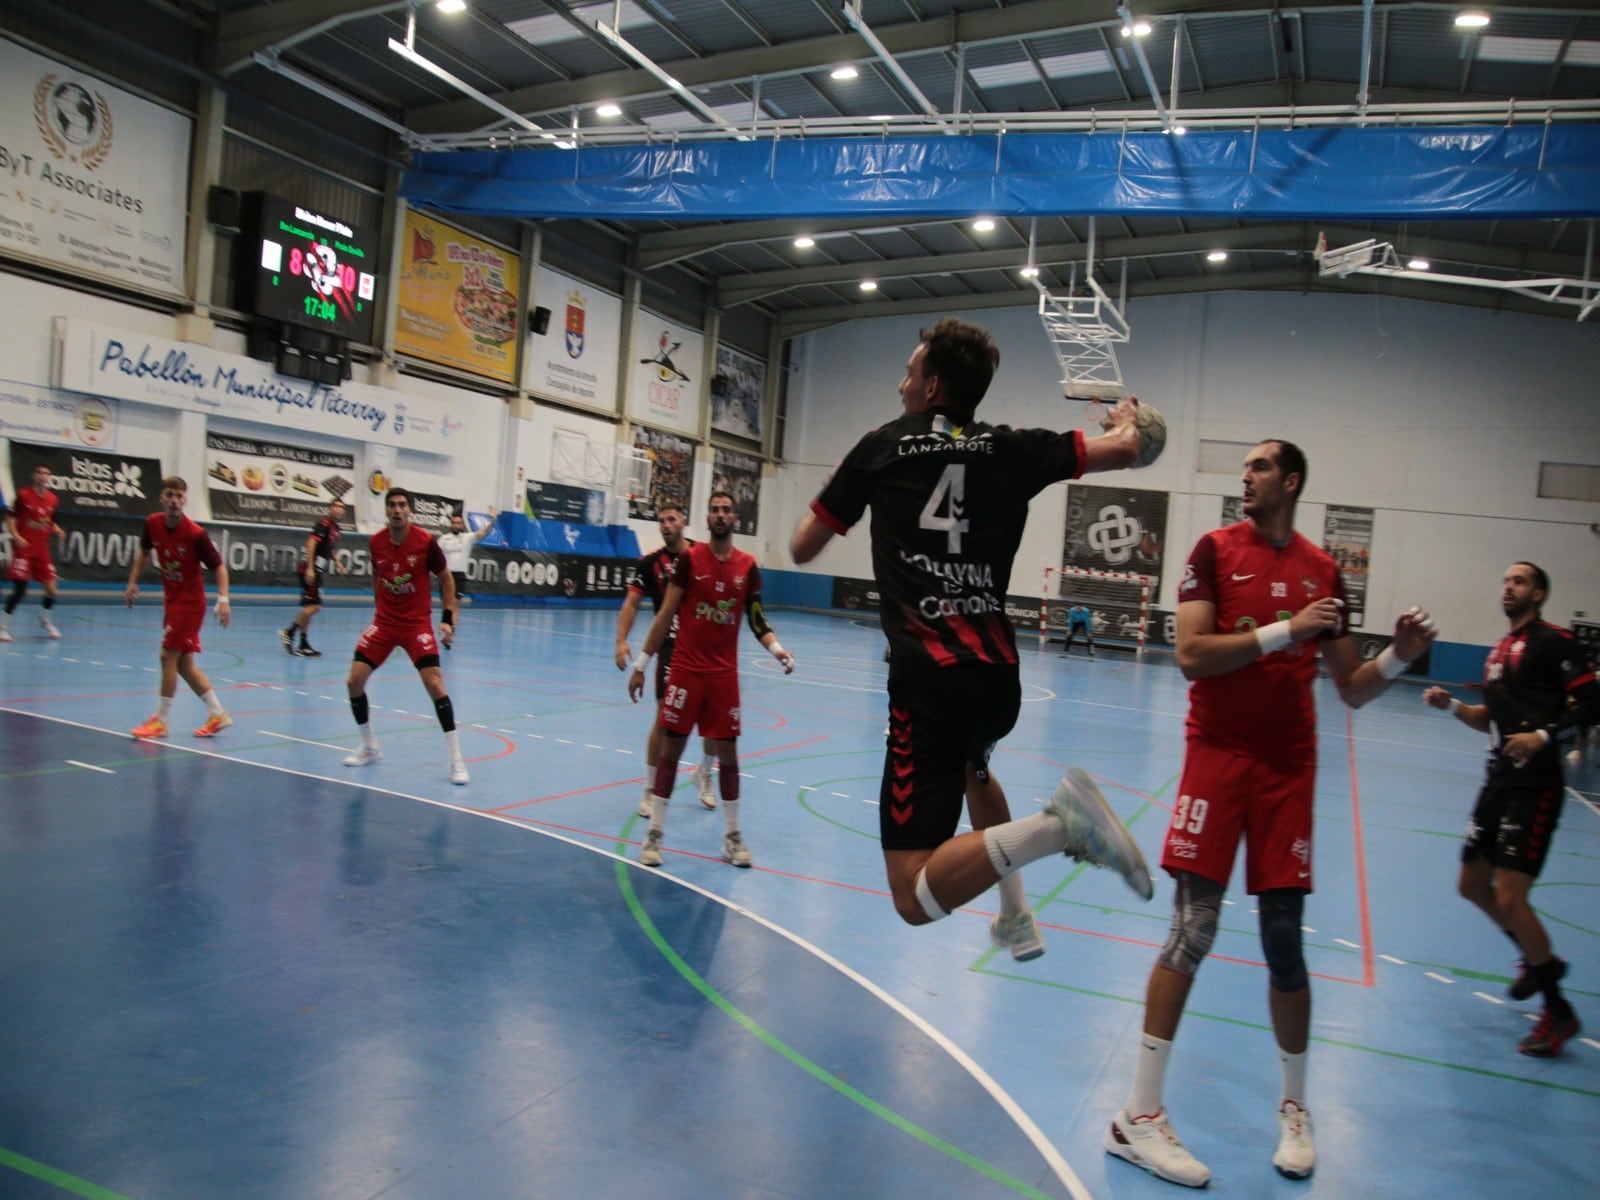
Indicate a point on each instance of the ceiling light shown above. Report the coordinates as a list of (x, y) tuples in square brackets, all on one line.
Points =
[(608, 109), (983, 225), (869, 285), (1472, 20), (1418, 264), (1030, 272), (455, 6), (804, 243), (844, 71), (1217, 256), (1178, 130), (880, 117), (563, 144), (1137, 29)]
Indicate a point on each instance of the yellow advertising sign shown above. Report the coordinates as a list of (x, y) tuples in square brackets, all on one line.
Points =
[(458, 300)]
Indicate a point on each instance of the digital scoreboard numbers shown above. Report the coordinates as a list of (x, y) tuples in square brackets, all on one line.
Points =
[(312, 270)]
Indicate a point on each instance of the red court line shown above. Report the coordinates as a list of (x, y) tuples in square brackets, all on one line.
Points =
[(1363, 901)]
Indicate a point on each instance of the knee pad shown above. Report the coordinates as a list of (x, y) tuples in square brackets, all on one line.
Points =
[(1280, 938), (1195, 908)]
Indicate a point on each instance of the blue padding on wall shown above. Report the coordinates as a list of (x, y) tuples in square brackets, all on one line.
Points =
[(521, 532), (796, 589), (1330, 173)]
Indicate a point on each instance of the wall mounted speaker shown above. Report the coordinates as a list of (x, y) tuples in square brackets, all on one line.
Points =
[(539, 321)]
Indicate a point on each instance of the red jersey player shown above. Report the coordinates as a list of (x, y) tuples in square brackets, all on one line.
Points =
[(31, 521), (1257, 604), (403, 556), (182, 551), (714, 585)]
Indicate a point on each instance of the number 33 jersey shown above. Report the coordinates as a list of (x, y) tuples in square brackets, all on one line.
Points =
[(949, 500)]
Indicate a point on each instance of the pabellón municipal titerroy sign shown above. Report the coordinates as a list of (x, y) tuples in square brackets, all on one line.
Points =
[(152, 370)]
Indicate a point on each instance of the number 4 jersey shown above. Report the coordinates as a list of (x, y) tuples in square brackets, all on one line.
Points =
[(949, 500)]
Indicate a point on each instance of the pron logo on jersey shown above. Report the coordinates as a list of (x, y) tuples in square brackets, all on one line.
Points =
[(74, 122), (400, 585), (723, 612)]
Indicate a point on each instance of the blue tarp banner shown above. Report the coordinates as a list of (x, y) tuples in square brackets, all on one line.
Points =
[(1528, 171)]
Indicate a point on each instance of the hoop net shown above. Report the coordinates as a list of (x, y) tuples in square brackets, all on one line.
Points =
[(1118, 603)]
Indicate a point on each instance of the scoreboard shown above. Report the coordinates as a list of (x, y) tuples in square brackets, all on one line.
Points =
[(308, 269)]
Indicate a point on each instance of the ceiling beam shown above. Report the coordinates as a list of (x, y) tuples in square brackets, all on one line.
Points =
[(242, 32)]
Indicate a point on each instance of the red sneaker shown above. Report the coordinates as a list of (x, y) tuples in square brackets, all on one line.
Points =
[(1549, 1035)]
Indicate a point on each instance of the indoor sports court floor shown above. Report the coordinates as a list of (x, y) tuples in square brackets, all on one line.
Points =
[(238, 969)]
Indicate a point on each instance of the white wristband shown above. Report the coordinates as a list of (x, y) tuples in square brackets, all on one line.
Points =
[(221, 600), (1455, 707), (1273, 637), (640, 663), (1390, 664), (777, 650), (1545, 734)]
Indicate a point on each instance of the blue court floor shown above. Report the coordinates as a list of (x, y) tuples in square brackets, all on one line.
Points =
[(237, 969)]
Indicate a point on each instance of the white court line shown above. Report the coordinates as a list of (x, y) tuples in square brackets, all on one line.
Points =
[(1053, 1157), (1488, 997), (1439, 977), (72, 762), (1590, 1042), (1399, 962), (1343, 942), (303, 741)]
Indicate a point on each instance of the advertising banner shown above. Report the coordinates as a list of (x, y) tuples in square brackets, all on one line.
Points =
[(193, 378), (665, 385), (671, 472), (272, 483), (575, 358), (1347, 536), (1116, 529), (741, 475), (95, 178), (89, 482), (1232, 510), (737, 390), (566, 502), (433, 512), (45, 415), (457, 299)]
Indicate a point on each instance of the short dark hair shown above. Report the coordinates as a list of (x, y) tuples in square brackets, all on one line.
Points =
[(396, 491), (727, 495), (963, 356), (1291, 460), (174, 483), (665, 505), (1540, 579)]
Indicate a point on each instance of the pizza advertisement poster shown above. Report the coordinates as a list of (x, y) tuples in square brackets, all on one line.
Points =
[(457, 299), (270, 483)]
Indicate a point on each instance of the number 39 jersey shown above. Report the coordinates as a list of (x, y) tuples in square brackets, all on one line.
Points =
[(949, 500)]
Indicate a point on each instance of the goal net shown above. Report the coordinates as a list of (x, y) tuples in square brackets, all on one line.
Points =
[(1118, 604)]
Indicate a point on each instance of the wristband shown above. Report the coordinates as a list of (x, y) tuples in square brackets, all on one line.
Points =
[(640, 663), (1273, 637), (221, 600), (448, 617), (1455, 707), (1390, 664), (777, 650), (1545, 734)]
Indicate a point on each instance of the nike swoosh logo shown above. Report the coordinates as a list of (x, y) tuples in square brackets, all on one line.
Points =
[(1242, 578)]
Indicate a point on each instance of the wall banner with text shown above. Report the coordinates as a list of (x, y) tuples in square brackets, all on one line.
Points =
[(1347, 537), (272, 483), (45, 415), (87, 482), (665, 383), (457, 299), (575, 358)]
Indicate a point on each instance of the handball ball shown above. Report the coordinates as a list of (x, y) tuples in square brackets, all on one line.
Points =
[(1152, 434)]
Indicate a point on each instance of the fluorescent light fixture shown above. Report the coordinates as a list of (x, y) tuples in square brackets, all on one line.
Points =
[(984, 225), (608, 109), (844, 71), (804, 243), (1179, 130), (451, 6), (1004, 74), (1419, 264), (869, 285), (1137, 29), (1030, 272), (880, 117), (1472, 20), (563, 144), (1217, 256), (1084, 62)]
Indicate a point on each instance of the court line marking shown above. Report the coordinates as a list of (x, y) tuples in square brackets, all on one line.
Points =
[(72, 762), (1003, 1099)]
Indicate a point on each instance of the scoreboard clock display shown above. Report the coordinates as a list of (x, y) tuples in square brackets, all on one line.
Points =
[(308, 269)]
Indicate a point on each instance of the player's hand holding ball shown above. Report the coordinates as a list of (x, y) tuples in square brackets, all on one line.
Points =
[(1147, 421)]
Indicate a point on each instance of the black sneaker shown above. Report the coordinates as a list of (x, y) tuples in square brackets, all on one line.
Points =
[(287, 638), (309, 651), (1527, 983)]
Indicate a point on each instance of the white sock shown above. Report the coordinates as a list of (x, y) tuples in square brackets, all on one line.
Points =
[(213, 705), (1020, 842), (453, 740), (1149, 1076), (368, 738), (647, 795), (705, 767), (730, 816), (925, 897), (1013, 901), (658, 812), (1294, 1075), (164, 709)]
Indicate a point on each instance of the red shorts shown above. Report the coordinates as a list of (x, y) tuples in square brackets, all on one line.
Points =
[(709, 701), (1226, 796), (181, 628), (38, 567), (417, 641)]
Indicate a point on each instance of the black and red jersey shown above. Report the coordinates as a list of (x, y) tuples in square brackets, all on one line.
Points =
[(650, 577), (1527, 679), (949, 500), (325, 540)]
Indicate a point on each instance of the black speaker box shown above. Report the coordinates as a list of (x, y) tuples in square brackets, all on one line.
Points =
[(223, 209), (539, 320)]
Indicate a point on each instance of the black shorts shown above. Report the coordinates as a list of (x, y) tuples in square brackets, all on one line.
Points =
[(461, 583), (938, 727), (1512, 827), (663, 664), (310, 593)]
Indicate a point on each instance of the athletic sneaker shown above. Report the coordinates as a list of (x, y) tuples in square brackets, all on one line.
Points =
[(458, 772), (5, 634), (363, 756), (286, 636), (1150, 1142), (1527, 983), (155, 727), (1094, 835), (650, 852), (309, 651), (735, 851), (702, 779), (214, 725), (1549, 1035), (1296, 1156), (50, 631), (1020, 935)]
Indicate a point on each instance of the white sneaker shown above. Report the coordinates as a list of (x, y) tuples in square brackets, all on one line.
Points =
[(1149, 1142), (650, 852), (646, 806), (1296, 1156), (365, 756), (702, 778), (458, 772), (50, 631), (1020, 935), (1094, 835), (735, 851), (5, 634)]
